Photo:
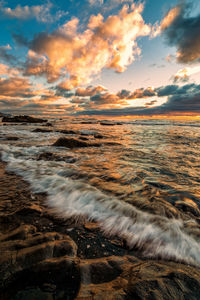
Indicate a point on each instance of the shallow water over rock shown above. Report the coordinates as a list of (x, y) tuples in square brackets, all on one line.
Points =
[(141, 184)]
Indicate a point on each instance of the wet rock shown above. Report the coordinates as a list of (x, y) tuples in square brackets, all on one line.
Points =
[(64, 272), (32, 294), (29, 210), (100, 271), (19, 233), (67, 131), (73, 143), (159, 281), (41, 130), (2, 115), (91, 226), (23, 119), (49, 287), (83, 138), (112, 144), (88, 122), (48, 156), (187, 207), (39, 264), (98, 136), (57, 278), (22, 254), (107, 124), (12, 138)]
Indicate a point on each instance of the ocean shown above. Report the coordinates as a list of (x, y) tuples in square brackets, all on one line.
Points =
[(139, 179)]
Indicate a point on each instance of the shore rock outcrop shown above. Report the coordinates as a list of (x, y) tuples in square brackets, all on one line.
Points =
[(47, 257), (74, 143), (23, 119)]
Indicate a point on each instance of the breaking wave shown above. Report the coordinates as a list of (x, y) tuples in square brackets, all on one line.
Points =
[(155, 236)]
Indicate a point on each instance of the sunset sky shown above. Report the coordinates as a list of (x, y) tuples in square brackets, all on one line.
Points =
[(100, 57)]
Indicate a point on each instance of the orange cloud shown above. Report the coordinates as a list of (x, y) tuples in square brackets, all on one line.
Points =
[(104, 44), (167, 21), (37, 64), (170, 17), (184, 74), (90, 91), (16, 87), (6, 70)]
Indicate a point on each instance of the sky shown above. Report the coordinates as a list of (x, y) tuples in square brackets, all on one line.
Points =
[(112, 58)]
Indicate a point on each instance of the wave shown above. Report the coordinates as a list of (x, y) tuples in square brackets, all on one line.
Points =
[(155, 236)]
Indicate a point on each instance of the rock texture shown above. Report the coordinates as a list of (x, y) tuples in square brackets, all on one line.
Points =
[(45, 257)]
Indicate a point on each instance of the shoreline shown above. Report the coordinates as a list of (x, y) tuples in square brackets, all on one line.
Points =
[(41, 252)]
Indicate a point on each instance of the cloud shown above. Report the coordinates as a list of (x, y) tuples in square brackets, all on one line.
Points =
[(173, 89), (95, 2), (150, 103), (82, 55), (182, 31), (16, 87), (90, 91), (5, 70), (121, 101), (184, 74), (100, 98), (20, 39), (170, 58), (40, 12), (26, 107), (108, 3), (38, 64), (137, 94), (123, 94), (180, 100), (17, 95), (5, 56), (106, 98)]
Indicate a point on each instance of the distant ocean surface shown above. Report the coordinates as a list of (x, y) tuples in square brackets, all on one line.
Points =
[(142, 183)]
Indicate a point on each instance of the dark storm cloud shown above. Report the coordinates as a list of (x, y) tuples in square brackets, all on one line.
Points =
[(183, 32)]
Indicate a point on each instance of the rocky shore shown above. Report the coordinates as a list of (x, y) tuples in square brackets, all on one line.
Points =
[(45, 257), (22, 119)]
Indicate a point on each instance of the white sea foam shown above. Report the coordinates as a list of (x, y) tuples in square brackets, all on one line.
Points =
[(154, 235)]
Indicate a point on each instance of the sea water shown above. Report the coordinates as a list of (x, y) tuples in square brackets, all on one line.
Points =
[(141, 184)]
